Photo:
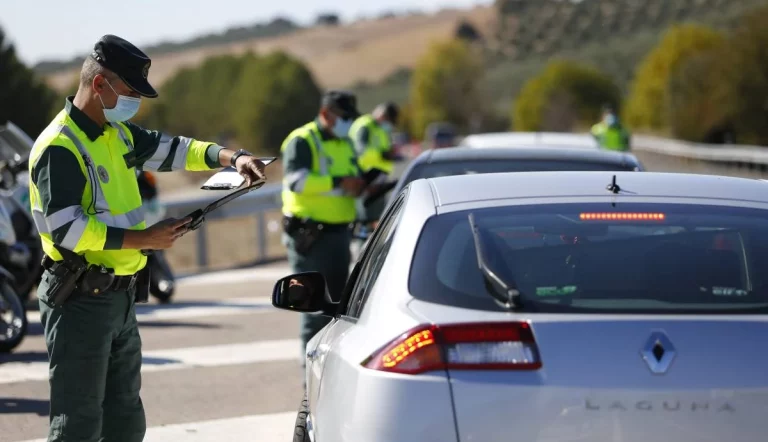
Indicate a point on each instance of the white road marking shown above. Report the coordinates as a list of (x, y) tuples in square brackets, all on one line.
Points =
[(271, 274), (183, 309), (176, 359), (257, 428)]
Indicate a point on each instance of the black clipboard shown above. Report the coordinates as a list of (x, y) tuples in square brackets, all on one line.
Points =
[(198, 216), (228, 178)]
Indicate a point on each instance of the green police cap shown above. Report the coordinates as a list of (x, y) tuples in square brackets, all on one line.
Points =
[(343, 103), (127, 61)]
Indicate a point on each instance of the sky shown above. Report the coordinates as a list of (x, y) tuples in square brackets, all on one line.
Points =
[(60, 30)]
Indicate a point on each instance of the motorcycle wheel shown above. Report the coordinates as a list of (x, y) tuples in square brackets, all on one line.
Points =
[(161, 284), (13, 319)]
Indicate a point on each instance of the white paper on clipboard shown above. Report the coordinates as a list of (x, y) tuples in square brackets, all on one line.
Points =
[(228, 178)]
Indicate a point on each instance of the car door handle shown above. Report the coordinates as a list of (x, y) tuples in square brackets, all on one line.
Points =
[(311, 355)]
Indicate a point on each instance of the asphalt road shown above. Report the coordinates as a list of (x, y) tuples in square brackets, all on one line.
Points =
[(219, 364)]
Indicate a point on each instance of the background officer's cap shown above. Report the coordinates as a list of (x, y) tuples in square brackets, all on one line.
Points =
[(127, 61), (341, 102)]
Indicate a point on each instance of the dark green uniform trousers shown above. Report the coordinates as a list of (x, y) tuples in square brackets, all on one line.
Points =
[(329, 255), (94, 351)]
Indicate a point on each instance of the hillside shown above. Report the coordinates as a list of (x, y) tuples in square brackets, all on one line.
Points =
[(338, 56), (529, 28)]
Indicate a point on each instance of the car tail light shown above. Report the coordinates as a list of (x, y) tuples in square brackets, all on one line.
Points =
[(474, 346)]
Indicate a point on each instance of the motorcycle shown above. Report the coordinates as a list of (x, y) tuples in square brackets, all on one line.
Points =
[(23, 257), (13, 312), (162, 281)]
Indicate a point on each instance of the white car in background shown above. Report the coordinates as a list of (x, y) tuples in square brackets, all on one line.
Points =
[(547, 306), (530, 139)]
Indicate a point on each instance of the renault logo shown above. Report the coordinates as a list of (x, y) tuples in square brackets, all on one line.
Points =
[(658, 352)]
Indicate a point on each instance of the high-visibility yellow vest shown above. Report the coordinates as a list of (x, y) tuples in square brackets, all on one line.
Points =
[(330, 159), (111, 195), (611, 138), (379, 143)]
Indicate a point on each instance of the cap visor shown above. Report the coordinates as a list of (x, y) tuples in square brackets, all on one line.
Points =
[(140, 86)]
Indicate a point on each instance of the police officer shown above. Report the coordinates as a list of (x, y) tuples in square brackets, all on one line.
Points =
[(610, 133), (320, 184), (87, 208), (372, 135)]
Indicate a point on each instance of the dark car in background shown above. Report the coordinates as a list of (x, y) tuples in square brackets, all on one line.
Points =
[(469, 160), (435, 163)]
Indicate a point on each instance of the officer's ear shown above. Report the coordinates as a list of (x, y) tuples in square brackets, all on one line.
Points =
[(99, 84), (327, 117)]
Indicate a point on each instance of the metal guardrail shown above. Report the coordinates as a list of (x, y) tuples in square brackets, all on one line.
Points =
[(753, 157), (255, 203)]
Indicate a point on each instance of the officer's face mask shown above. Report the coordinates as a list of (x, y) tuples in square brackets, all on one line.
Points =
[(387, 126), (125, 108), (610, 119), (341, 127)]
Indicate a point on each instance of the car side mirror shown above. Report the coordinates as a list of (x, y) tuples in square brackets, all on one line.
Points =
[(305, 292)]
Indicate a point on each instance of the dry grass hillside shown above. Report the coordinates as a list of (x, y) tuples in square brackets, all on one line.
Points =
[(338, 56)]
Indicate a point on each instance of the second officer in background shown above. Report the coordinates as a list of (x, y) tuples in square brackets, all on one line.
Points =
[(372, 136), (321, 182)]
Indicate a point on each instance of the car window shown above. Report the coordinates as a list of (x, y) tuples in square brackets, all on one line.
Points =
[(595, 258), (450, 168), (376, 253)]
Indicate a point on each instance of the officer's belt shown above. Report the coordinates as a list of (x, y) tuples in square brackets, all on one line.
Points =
[(120, 283), (320, 226)]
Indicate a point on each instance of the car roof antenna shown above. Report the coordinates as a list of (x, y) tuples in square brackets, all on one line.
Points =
[(613, 187)]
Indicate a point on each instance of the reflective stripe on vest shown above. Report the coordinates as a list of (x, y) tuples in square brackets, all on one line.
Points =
[(76, 213), (322, 160)]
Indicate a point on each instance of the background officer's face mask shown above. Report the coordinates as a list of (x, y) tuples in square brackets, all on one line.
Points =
[(125, 108), (341, 127)]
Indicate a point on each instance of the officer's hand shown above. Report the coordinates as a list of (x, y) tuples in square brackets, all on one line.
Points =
[(251, 169), (163, 234), (352, 185)]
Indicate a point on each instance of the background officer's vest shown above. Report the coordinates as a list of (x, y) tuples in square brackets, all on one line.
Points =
[(379, 143), (114, 185), (333, 158), (611, 138)]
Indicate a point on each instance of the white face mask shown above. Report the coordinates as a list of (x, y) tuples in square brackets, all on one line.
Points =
[(387, 126), (341, 127), (125, 108)]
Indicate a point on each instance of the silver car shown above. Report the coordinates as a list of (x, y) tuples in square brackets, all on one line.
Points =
[(548, 306)]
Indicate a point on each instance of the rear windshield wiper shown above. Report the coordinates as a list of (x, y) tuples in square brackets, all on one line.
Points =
[(503, 291)]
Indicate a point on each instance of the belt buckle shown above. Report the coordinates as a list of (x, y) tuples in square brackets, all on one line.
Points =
[(132, 282)]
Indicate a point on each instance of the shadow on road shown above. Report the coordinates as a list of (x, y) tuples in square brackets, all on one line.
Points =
[(24, 406), (149, 360), (176, 324), (27, 356)]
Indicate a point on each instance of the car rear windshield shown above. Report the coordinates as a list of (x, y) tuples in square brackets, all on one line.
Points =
[(450, 168), (633, 258)]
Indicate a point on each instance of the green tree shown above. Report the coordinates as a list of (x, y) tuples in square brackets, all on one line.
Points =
[(565, 96), (698, 100), (646, 106), (25, 100), (745, 60), (275, 95), (446, 86)]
